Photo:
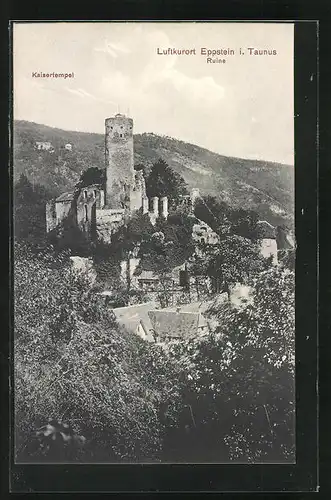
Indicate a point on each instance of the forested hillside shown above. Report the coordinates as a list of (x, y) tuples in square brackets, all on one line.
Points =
[(265, 187)]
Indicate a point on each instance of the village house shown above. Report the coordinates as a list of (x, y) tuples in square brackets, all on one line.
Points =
[(154, 324), (267, 238), (135, 319), (45, 146)]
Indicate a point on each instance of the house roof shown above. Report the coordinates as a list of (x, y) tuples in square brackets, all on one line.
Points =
[(174, 324), (65, 197), (193, 307), (131, 316)]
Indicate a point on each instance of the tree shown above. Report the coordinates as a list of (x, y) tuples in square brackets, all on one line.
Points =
[(30, 212), (238, 381), (213, 212), (131, 235), (243, 223), (73, 365), (224, 219), (234, 260), (68, 236), (163, 181), (93, 175)]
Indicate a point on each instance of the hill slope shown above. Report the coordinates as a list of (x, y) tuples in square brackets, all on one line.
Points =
[(265, 187)]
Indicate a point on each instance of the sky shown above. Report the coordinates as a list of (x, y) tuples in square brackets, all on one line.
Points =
[(243, 107)]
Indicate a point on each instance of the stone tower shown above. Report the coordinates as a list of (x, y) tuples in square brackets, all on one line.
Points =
[(119, 161)]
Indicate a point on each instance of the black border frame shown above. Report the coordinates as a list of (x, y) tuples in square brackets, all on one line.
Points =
[(302, 476)]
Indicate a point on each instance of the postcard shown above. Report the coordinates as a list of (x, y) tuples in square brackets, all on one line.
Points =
[(154, 243)]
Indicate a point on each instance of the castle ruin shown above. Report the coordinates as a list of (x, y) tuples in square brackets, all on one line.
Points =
[(97, 212)]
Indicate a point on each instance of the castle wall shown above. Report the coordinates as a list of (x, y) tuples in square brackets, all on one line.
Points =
[(108, 221), (145, 205), (86, 203), (164, 207), (140, 183), (62, 210), (138, 192), (119, 161), (135, 200)]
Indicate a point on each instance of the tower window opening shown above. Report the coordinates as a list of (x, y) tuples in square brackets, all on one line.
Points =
[(85, 195), (86, 215), (121, 135), (95, 193)]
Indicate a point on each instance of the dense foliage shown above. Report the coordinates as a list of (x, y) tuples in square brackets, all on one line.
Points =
[(249, 184), (234, 260), (29, 202), (93, 175), (164, 181), (238, 382), (224, 219), (226, 396), (73, 364)]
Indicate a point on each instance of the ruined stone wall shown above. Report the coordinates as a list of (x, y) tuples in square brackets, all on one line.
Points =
[(108, 221), (86, 203), (119, 161), (62, 210), (140, 183), (138, 192)]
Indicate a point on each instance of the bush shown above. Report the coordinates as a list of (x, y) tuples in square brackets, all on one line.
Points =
[(74, 365), (238, 381)]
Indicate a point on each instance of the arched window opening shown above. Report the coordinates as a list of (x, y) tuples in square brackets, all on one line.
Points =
[(86, 214)]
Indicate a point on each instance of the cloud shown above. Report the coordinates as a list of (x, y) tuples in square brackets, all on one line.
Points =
[(112, 49), (118, 47), (80, 93), (83, 94), (199, 90)]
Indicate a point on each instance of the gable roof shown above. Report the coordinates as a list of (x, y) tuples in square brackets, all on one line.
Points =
[(130, 317), (174, 324), (193, 307)]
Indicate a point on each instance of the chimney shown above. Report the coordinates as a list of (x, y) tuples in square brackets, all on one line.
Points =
[(164, 207), (155, 206), (145, 204)]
